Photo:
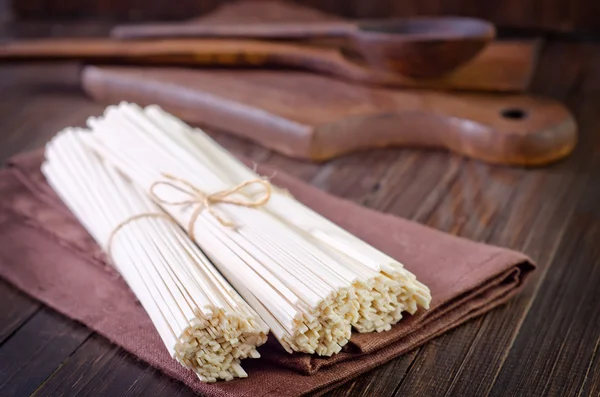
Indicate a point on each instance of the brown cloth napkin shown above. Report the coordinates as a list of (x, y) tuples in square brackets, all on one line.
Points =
[(46, 253)]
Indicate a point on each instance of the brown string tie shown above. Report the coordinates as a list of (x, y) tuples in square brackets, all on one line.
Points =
[(127, 222), (203, 200)]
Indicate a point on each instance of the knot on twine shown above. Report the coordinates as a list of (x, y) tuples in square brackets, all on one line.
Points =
[(206, 201)]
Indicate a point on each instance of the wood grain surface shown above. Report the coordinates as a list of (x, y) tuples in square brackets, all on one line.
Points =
[(544, 342)]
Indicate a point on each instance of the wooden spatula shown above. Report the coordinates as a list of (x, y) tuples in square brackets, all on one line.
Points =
[(421, 47), (502, 66)]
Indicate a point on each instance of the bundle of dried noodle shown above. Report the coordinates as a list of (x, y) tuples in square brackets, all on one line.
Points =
[(202, 320), (385, 288), (309, 279)]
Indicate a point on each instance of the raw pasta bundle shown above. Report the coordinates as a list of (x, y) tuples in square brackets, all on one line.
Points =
[(201, 319), (388, 292), (304, 295), (309, 279)]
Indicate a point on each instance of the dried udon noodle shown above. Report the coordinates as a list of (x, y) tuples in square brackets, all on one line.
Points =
[(310, 280), (202, 320)]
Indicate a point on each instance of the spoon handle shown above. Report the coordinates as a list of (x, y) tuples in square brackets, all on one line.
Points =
[(193, 50), (272, 30)]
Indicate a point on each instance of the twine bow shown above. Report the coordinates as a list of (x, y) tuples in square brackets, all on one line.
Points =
[(202, 200)]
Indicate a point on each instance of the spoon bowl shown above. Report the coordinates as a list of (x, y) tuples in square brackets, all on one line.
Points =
[(415, 47), (422, 47)]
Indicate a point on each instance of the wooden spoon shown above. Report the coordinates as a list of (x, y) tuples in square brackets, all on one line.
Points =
[(416, 47)]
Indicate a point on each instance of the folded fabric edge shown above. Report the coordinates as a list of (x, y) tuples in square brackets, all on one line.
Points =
[(490, 295)]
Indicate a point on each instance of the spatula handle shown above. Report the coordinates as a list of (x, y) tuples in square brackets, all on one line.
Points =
[(188, 52), (202, 52), (503, 66)]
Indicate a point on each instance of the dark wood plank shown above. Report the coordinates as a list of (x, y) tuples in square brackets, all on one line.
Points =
[(540, 239), (354, 177), (541, 236), (381, 381), (101, 369), (15, 309), (79, 368), (569, 292), (43, 100), (591, 383), (36, 350), (485, 341), (412, 188), (573, 328)]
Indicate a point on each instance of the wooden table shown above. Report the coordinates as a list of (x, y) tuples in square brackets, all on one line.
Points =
[(544, 342)]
